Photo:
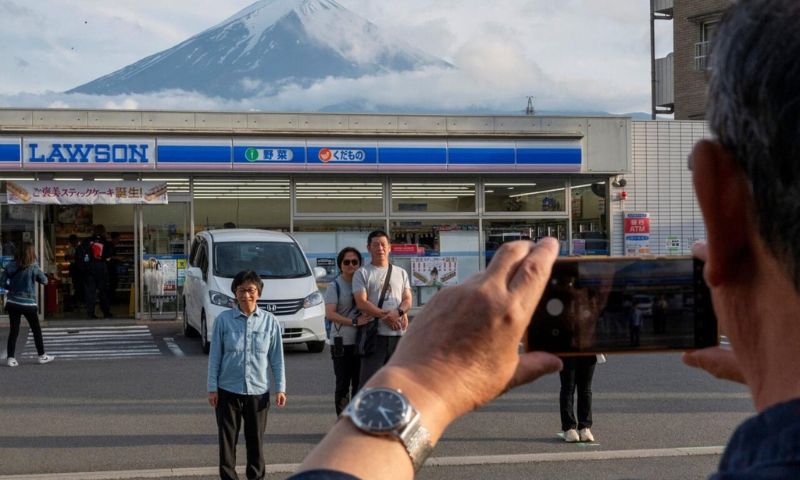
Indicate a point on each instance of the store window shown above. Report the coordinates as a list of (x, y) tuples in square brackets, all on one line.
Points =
[(435, 253), (244, 202), (538, 194), (589, 219), (439, 196), (498, 232), (323, 239), (339, 196)]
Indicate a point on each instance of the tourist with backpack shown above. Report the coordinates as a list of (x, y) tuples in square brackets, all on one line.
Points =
[(19, 279), (92, 257)]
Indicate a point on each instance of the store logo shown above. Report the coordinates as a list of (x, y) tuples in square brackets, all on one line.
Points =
[(341, 155), (89, 153)]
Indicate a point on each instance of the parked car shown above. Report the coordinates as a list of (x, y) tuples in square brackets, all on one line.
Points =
[(290, 290)]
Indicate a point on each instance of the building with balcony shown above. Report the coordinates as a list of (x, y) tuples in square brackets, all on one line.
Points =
[(694, 24)]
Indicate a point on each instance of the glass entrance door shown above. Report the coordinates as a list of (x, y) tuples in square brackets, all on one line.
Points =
[(17, 226), (163, 234)]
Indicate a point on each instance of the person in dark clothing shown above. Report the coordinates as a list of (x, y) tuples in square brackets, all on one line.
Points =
[(93, 256), (577, 372), (113, 266), (76, 274)]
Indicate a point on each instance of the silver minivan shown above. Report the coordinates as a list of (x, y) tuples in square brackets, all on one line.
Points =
[(290, 289)]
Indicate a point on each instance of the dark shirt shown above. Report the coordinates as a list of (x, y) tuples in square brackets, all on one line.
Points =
[(765, 446)]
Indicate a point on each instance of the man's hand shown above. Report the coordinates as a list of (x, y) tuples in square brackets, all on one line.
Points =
[(392, 318), (462, 350), (719, 362), (213, 399), (280, 399)]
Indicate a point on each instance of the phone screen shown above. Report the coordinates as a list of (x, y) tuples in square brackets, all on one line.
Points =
[(618, 304)]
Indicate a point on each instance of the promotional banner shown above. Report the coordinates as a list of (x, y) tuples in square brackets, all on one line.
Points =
[(637, 233), (434, 271), (86, 193)]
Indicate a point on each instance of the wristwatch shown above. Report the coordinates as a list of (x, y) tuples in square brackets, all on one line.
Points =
[(401, 311), (387, 412)]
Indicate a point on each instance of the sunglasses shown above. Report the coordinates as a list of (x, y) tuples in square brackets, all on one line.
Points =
[(350, 262)]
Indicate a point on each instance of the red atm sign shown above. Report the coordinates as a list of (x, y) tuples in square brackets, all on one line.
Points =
[(637, 225)]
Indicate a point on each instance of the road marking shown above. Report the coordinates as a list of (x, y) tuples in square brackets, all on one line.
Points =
[(173, 347), (431, 462), (90, 343)]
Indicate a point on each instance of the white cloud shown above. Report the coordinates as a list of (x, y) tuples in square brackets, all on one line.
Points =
[(570, 55)]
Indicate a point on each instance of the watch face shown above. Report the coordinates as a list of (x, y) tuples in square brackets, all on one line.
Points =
[(380, 410)]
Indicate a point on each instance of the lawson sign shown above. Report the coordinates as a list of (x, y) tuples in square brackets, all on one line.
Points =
[(87, 152)]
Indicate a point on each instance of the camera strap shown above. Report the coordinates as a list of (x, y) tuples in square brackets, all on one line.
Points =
[(385, 287)]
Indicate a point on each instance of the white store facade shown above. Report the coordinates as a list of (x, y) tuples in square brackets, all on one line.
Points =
[(447, 189)]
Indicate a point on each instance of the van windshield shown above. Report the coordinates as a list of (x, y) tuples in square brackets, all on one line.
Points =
[(268, 259)]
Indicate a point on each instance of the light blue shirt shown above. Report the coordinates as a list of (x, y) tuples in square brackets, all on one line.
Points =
[(242, 347)]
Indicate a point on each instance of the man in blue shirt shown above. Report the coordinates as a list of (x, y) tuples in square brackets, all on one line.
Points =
[(244, 343)]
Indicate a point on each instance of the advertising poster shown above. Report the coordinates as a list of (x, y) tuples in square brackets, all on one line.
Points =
[(434, 271), (161, 275), (673, 245), (637, 233)]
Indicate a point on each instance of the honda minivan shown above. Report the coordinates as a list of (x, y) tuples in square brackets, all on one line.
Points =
[(290, 289)]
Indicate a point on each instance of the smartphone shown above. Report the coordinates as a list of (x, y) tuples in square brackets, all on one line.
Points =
[(623, 304)]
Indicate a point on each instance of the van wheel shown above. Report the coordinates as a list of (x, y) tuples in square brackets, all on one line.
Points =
[(188, 330), (315, 347), (204, 342)]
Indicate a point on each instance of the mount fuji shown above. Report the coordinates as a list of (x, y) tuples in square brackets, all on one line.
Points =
[(269, 45)]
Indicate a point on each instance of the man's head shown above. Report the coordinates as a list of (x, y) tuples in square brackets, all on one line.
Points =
[(379, 247), (754, 112)]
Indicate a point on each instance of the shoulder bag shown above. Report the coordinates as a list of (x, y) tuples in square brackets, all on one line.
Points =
[(367, 335)]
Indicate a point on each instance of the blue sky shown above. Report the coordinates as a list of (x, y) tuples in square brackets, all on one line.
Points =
[(568, 54)]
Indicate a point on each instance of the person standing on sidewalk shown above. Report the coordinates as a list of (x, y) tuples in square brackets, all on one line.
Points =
[(384, 293), (19, 279), (343, 315), (245, 342)]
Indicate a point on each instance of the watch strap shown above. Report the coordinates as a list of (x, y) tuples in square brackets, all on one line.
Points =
[(417, 441)]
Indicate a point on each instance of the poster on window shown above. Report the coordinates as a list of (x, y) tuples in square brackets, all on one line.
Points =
[(637, 233), (161, 275), (434, 271)]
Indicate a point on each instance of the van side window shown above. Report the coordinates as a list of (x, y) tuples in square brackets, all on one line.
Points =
[(193, 252), (202, 259)]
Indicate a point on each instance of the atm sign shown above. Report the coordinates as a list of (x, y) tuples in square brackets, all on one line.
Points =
[(637, 225)]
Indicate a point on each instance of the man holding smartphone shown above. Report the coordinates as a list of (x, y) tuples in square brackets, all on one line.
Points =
[(747, 183), (388, 302)]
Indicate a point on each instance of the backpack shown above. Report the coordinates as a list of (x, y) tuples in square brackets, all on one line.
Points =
[(83, 258)]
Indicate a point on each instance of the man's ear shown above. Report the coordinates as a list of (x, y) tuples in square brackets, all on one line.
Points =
[(723, 192)]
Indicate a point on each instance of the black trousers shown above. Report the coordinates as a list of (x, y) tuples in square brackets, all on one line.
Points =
[(96, 283), (232, 409), (15, 313), (384, 348), (346, 368), (578, 371)]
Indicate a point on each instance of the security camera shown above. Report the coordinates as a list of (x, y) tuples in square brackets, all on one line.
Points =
[(619, 182)]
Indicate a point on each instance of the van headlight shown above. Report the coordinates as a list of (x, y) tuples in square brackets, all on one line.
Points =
[(221, 299), (313, 299)]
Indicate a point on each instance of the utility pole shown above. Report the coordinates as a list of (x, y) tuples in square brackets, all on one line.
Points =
[(529, 110)]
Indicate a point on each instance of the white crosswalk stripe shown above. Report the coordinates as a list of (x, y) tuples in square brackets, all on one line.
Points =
[(83, 343)]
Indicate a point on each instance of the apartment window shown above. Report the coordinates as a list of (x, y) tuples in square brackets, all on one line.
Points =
[(702, 49)]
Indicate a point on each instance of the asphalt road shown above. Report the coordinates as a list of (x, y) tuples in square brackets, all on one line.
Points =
[(149, 413)]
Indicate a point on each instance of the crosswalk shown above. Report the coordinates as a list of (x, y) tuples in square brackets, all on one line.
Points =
[(84, 343)]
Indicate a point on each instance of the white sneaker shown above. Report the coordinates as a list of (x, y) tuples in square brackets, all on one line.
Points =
[(45, 358), (12, 362), (586, 435), (571, 436)]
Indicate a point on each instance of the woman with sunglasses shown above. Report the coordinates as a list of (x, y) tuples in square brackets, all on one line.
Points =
[(342, 318)]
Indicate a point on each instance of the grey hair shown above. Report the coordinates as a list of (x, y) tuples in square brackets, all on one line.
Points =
[(754, 112)]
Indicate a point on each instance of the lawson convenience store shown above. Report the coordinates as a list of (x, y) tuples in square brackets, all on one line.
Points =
[(448, 190)]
